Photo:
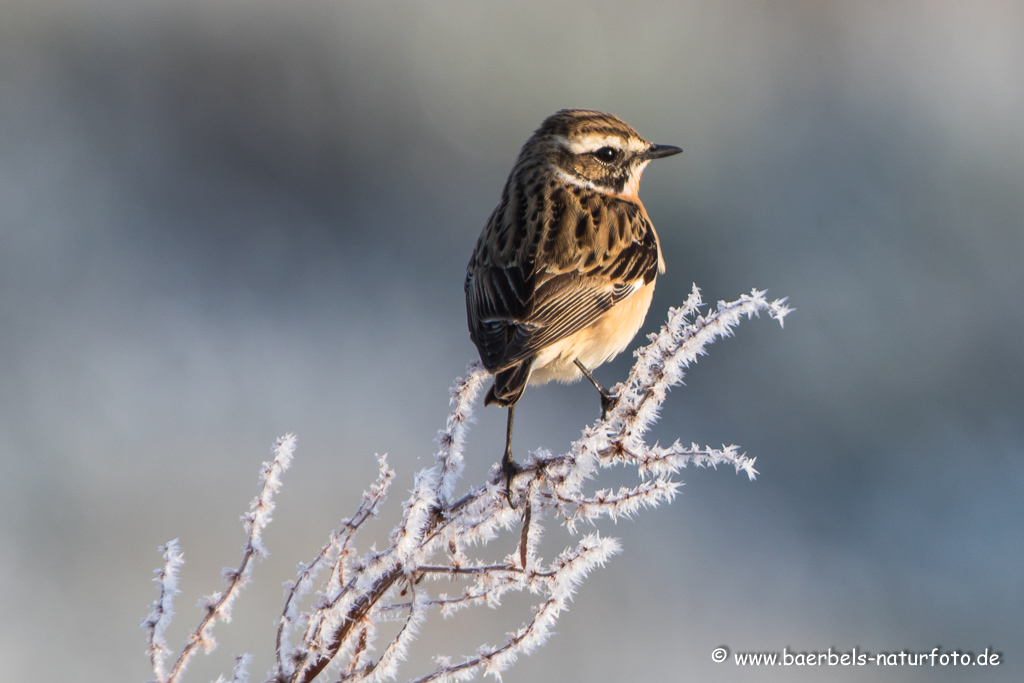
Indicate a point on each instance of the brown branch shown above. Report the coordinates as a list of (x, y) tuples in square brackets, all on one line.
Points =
[(306, 673)]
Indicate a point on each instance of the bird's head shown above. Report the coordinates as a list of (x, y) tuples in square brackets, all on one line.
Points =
[(594, 150)]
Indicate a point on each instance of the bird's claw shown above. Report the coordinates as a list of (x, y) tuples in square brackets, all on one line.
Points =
[(608, 403)]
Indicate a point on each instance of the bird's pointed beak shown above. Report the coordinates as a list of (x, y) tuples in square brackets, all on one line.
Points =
[(661, 151)]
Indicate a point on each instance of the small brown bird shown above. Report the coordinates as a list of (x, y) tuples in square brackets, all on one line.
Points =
[(563, 272)]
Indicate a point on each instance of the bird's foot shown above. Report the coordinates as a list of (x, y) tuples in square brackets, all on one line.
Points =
[(510, 468)]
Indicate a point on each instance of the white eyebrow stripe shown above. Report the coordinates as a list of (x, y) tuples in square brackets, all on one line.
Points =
[(592, 143)]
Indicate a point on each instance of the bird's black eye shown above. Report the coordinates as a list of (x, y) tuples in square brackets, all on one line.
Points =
[(606, 154)]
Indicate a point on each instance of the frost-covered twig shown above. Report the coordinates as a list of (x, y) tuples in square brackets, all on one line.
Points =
[(240, 674), (163, 609), (336, 552), (433, 540), (219, 604)]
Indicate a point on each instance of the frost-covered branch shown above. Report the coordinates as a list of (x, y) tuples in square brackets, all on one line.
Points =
[(434, 542)]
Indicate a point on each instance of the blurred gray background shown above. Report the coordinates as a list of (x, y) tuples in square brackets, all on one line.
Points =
[(221, 221)]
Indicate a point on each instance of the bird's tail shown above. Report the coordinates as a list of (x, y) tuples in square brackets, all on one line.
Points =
[(509, 384)]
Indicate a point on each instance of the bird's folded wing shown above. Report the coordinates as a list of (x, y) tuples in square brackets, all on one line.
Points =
[(512, 316)]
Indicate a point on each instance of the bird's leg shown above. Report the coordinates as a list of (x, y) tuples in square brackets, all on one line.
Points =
[(508, 464), (608, 399)]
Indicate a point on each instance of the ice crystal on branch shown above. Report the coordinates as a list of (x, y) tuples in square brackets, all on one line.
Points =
[(433, 544)]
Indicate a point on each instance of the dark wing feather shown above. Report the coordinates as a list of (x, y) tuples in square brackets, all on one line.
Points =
[(496, 300)]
